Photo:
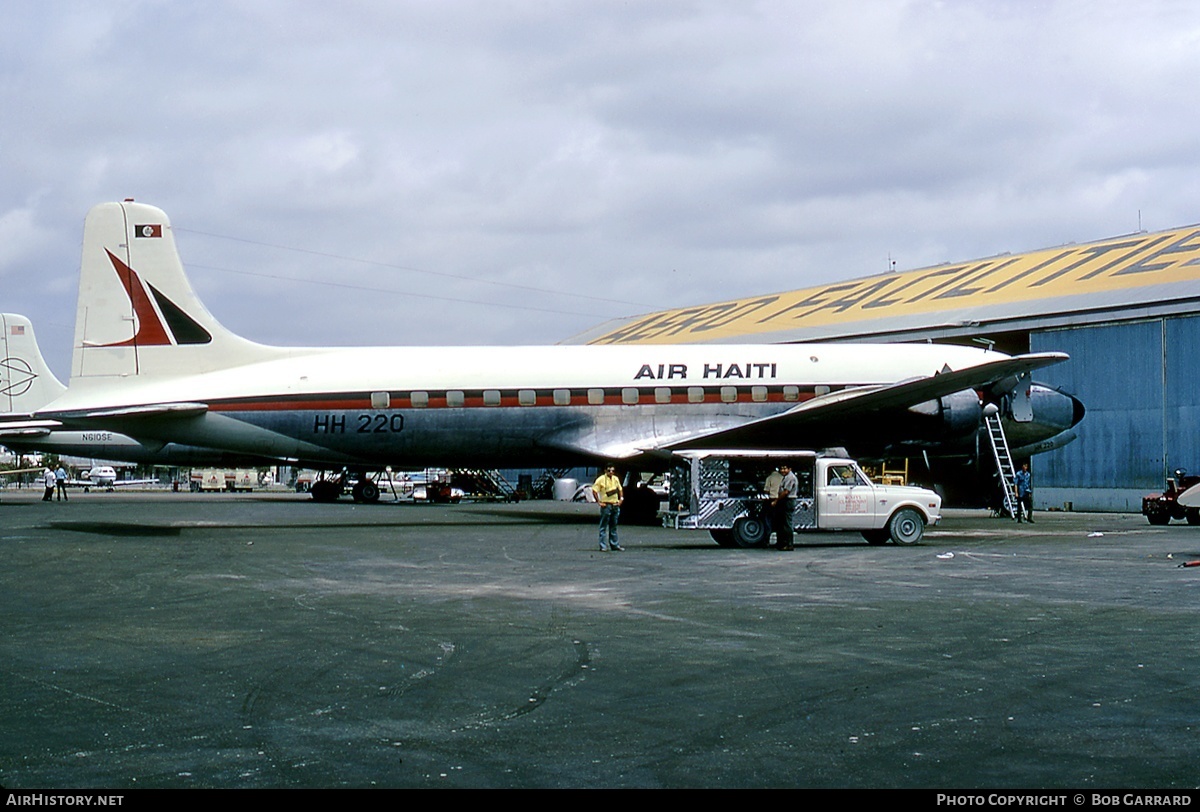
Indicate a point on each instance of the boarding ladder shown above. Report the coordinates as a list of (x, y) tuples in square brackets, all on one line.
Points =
[(1004, 463), (543, 487), (483, 483)]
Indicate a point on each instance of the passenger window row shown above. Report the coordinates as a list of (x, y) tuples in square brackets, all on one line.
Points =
[(453, 398)]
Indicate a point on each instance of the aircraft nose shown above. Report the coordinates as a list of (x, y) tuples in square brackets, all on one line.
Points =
[(1055, 409), (1077, 410)]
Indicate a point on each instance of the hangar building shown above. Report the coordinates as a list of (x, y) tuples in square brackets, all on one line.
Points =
[(1126, 309)]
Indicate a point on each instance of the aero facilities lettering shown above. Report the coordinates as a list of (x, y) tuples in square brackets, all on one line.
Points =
[(151, 362)]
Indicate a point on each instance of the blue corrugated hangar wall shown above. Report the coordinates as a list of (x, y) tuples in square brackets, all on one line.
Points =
[(1140, 385)]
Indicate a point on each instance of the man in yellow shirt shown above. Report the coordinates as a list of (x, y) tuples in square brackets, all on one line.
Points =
[(610, 495)]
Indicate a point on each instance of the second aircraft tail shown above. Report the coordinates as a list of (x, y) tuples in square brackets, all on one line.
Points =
[(26, 382)]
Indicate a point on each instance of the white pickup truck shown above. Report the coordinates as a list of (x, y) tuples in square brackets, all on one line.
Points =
[(723, 492)]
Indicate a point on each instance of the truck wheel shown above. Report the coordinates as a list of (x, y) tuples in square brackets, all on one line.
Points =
[(723, 537), (876, 536), (1193, 515), (749, 532), (1158, 519), (906, 527)]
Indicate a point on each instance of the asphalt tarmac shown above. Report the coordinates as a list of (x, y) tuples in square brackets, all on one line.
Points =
[(178, 640)]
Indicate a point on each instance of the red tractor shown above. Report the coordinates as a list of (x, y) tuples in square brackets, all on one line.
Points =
[(1161, 508)]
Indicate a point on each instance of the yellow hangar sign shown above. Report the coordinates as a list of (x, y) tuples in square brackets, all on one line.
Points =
[(1009, 283)]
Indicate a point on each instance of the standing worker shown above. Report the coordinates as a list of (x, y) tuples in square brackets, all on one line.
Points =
[(1024, 482), (785, 508), (49, 482), (610, 495), (771, 486), (60, 481)]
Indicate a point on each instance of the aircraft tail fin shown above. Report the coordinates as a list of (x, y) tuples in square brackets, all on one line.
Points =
[(138, 313), (26, 382)]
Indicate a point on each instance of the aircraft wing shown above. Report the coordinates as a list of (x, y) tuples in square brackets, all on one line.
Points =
[(13, 471), (823, 421), (868, 402), (104, 483), (27, 428)]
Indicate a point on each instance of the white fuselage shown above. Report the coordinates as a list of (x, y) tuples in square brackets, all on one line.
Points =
[(497, 405)]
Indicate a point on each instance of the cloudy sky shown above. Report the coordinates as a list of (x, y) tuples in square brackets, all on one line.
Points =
[(467, 172)]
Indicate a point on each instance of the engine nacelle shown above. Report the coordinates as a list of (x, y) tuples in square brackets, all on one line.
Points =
[(952, 419), (956, 421)]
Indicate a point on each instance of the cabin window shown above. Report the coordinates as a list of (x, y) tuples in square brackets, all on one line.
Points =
[(527, 397), (729, 394), (562, 397), (596, 397), (791, 393), (491, 397), (381, 400), (662, 394), (419, 399), (629, 395), (821, 390), (455, 398), (758, 394), (695, 394)]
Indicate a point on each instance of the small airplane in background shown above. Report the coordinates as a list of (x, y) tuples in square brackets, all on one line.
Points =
[(105, 476), (150, 362)]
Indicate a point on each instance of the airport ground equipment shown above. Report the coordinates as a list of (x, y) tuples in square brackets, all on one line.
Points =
[(723, 492), (228, 479), (1161, 508), (483, 484)]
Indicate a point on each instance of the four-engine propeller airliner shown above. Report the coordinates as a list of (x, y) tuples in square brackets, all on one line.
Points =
[(152, 363)]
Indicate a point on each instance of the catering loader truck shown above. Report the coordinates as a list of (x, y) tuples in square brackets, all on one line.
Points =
[(723, 492)]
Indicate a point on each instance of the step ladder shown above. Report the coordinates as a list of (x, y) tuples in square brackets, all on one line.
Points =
[(1004, 463)]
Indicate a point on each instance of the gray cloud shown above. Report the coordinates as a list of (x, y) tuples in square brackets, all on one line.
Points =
[(656, 154)]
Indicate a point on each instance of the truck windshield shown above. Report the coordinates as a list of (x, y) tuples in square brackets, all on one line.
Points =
[(844, 475)]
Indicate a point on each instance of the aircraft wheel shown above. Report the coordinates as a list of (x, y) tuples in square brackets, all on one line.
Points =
[(876, 537), (906, 527), (749, 531), (723, 537), (326, 490), (366, 491)]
